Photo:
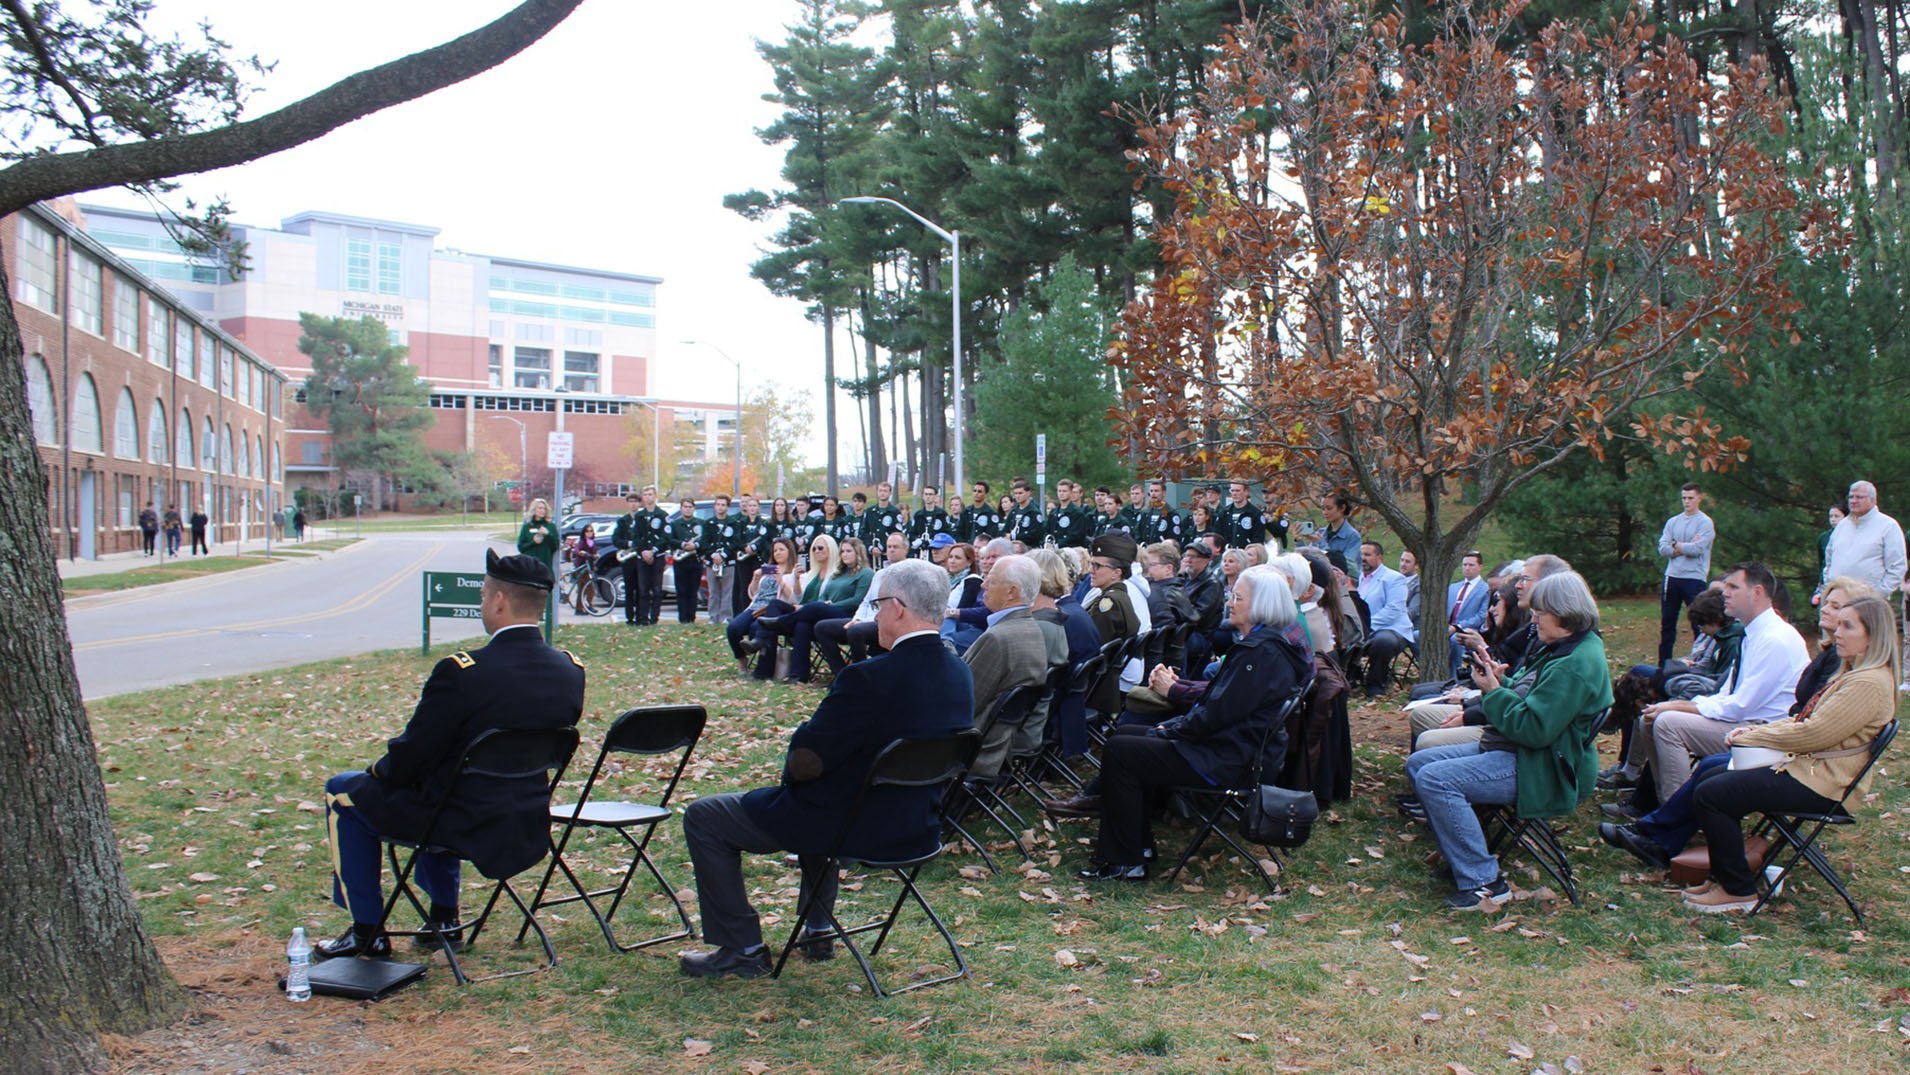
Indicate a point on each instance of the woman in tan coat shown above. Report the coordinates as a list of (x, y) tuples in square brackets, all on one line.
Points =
[(1826, 745)]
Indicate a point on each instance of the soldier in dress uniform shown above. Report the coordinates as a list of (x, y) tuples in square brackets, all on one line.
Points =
[(642, 540), (1111, 608), (1026, 523), (1160, 522), (929, 520), (1070, 524), (515, 681), (984, 515), (690, 540)]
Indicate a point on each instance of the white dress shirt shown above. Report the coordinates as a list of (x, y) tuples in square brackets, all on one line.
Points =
[(1763, 685)]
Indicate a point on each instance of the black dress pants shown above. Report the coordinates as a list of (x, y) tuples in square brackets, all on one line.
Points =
[(1135, 770), (1724, 796), (643, 589), (689, 579)]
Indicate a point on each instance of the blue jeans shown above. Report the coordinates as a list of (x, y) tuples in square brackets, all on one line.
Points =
[(1449, 780), (1676, 819)]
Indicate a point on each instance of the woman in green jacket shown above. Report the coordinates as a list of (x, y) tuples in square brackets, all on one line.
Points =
[(538, 538), (1537, 751)]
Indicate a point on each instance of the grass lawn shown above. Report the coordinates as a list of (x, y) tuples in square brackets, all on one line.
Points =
[(191, 568), (1358, 968)]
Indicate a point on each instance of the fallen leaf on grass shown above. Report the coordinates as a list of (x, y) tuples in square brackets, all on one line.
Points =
[(203, 877), (756, 1067), (1244, 1036), (522, 1050), (697, 1047), (1456, 1068), (1518, 1050), (1066, 958)]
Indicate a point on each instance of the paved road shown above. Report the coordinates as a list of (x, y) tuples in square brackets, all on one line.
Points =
[(360, 599)]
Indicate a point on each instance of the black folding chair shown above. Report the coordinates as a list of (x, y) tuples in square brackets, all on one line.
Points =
[(904, 763), (1215, 807), (648, 730), (972, 792), (1786, 833), (1505, 829), (1108, 662), (501, 754)]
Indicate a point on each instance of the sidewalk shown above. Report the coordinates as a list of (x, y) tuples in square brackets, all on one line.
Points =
[(114, 563)]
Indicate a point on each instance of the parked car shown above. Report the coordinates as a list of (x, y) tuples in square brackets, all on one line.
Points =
[(571, 524)]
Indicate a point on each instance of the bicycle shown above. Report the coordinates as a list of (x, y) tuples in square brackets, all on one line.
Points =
[(588, 592)]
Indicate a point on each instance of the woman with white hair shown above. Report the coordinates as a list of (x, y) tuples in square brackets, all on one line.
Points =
[(1537, 752), (1214, 743)]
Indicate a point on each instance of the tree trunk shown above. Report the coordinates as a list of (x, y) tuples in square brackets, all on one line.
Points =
[(829, 389), (75, 959), (878, 449)]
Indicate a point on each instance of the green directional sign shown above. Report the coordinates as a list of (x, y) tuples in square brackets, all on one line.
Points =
[(451, 595)]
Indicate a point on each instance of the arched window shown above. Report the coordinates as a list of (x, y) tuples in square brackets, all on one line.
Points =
[(40, 402), (126, 426), (278, 465), (226, 453), (208, 448), (86, 424), (182, 451), (255, 459), (157, 443)]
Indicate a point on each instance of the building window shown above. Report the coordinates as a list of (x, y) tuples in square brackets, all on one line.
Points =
[(126, 426), (225, 372), (497, 366), (86, 423), (533, 367), (40, 403), (156, 441), (255, 458), (126, 491), (208, 448), (530, 333), (88, 296), (156, 335), (497, 330), (205, 360), (125, 315), (38, 275), (182, 346), (312, 452), (580, 371), (357, 265), (278, 468), (388, 268), (182, 451), (584, 337)]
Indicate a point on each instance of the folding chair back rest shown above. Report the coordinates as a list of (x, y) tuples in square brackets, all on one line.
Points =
[(656, 729), (913, 763), (1014, 706), (516, 753), (1085, 673)]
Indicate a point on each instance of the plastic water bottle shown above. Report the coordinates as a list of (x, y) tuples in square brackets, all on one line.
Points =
[(298, 961)]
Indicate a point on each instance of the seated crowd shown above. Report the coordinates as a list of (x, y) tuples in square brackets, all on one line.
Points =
[(1203, 630)]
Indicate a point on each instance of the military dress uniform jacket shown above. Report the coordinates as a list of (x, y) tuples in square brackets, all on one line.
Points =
[(917, 690), (644, 528), (502, 827), (1112, 612)]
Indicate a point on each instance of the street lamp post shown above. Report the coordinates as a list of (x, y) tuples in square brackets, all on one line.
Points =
[(736, 465), (523, 459), (954, 239)]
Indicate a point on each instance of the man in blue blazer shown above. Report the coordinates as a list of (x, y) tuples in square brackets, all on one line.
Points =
[(1466, 605), (919, 689)]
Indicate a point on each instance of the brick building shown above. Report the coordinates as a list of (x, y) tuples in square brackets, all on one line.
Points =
[(136, 398), (503, 342)]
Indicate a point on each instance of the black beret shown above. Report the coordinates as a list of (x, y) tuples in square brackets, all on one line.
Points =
[(518, 570), (1117, 547)]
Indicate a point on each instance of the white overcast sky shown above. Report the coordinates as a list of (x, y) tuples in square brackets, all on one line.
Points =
[(608, 144)]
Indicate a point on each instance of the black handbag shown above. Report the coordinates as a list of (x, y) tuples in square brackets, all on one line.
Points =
[(1280, 817)]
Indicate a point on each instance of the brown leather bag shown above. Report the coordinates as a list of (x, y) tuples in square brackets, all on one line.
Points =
[(1692, 866)]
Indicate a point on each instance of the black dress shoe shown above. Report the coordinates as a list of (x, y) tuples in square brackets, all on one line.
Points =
[(1616, 779), (1626, 838), (816, 945), (1105, 872), (725, 963), (773, 623), (749, 645), (1079, 806), (452, 933), (1620, 811), (367, 941)]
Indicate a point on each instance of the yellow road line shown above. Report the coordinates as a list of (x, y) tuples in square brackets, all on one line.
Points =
[(408, 573)]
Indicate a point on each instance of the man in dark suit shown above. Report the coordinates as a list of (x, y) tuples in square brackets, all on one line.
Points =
[(503, 827), (916, 690)]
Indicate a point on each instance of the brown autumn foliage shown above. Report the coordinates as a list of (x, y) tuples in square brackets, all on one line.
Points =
[(1405, 270)]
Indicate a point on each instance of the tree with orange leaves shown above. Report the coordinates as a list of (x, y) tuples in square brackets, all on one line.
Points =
[(1411, 270)]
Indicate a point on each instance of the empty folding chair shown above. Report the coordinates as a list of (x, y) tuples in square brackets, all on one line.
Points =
[(646, 730)]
